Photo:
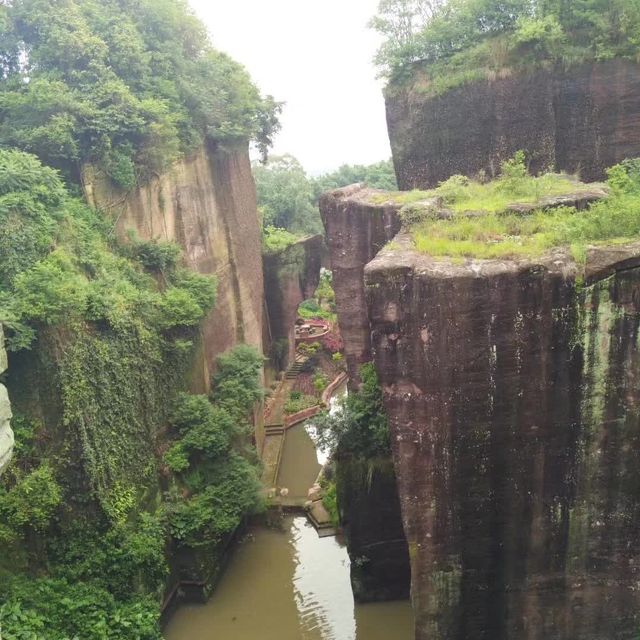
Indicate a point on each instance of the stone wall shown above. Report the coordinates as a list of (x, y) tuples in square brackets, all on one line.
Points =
[(6, 434), (513, 396), (207, 204), (582, 119)]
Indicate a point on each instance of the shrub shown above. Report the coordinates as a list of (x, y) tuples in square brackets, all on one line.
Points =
[(359, 428), (332, 342), (275, 240), (298, 402), (320, 382), (32, 501), (157, 255), (177, 458), (57, 609), (219, 508)]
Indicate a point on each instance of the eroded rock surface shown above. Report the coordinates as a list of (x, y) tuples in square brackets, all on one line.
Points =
[(583, 119), (207, 204), (513, 395)]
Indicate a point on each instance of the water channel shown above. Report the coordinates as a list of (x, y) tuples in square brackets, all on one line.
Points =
[(286, 583)]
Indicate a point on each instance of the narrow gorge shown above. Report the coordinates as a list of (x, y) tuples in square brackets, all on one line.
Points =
[(396, 400)]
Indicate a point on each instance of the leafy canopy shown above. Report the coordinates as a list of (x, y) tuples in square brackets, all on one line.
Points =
[(288, 196), (133, 84), (461, 40)]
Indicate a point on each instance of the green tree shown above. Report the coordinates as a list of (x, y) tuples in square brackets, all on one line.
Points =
[(285, 196), (380, 175), (130, 84)]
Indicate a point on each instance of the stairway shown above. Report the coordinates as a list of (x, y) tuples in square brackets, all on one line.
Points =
[(296, 368)]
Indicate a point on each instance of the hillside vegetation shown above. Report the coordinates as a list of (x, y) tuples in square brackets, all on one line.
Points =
[(456, 41), (131, 84)]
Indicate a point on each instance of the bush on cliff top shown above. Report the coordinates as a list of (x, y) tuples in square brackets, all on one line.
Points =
[(614, 219), (133, 85), (462, 40), (514, 185)]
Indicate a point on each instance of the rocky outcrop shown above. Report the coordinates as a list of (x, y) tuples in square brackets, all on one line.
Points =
[(207, 204), (291, 276), (582, 119), (6, 434), (355, 230), (514, 402)]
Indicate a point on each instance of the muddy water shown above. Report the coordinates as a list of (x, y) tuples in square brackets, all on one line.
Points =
[(299, 467), (289, 584)]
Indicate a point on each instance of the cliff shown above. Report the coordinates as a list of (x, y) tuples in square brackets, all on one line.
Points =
[(207, 204), (583, 119), (6, 434), (511, 390), (355, 232), (291, 276), (370, 518), (512, 395)]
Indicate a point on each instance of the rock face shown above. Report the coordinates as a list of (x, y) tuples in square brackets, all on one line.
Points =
[(291, 276), (355, 231), (513, 395), (369, 508), (582, 119), (207, 204), (6, 434)]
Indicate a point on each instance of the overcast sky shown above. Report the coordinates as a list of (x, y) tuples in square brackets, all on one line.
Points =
[(315, 56)]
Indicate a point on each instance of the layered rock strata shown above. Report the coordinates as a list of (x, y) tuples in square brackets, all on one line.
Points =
[(582, 119)]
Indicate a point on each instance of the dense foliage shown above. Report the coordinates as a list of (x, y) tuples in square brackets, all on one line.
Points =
[(208, 454), (288, 197), (131, 84), (462, 40), (498, 234), (359, 429), (110, 329)]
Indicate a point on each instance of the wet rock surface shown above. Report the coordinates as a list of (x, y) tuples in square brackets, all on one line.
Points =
[(582, 119), (514, 404), (370, 516)]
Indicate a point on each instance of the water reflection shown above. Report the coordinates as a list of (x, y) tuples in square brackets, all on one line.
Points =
[(289, 585), (321, 584)]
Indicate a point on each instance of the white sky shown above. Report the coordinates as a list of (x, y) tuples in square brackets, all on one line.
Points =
[(316, 56)]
